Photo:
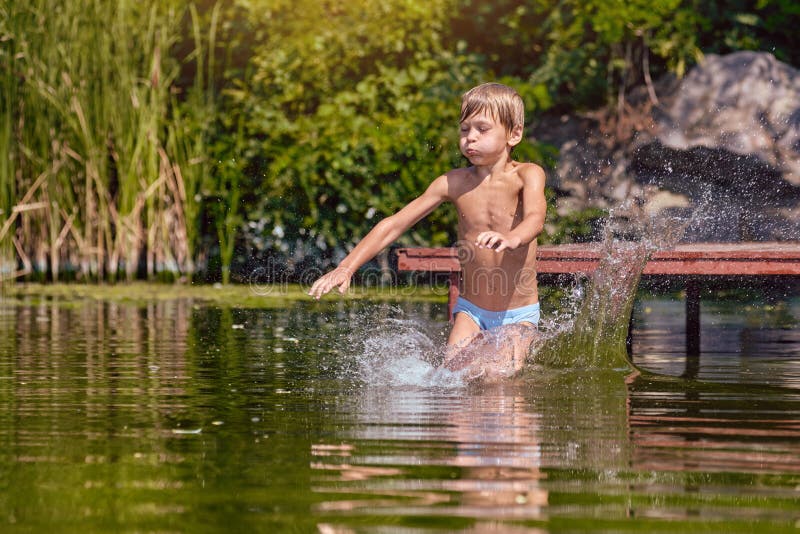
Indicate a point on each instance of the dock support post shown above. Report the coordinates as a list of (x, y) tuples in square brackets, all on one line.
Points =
[(692, 318), (629, 336), (452, 294)]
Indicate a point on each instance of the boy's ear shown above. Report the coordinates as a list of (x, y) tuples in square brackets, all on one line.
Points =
[(515, 136)]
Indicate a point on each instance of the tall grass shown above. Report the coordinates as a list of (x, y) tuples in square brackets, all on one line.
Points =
[(10, 80), (191, 128), (92, 184)]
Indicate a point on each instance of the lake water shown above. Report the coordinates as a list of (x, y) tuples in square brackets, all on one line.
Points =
[(179, 416)]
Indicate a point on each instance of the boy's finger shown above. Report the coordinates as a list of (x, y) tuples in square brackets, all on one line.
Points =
[(344, 286), (317, 290), (313, 288)]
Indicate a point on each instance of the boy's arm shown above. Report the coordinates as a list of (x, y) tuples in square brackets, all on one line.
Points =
[(534, 208), (382, 235)]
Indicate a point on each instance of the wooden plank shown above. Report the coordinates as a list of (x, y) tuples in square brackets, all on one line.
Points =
[(428, 259), (704, 259)]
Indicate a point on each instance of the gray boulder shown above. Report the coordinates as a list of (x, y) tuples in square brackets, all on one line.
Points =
[(722, 146), (746, 103)]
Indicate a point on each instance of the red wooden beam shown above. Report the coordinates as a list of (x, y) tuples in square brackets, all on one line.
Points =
[(701, 259), (710, 259)]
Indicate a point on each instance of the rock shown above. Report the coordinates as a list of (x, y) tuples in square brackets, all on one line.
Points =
[(707, 173), (747, 103), (723, 144), (664, 200)]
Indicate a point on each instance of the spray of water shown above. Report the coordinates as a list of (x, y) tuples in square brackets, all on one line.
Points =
[(595, 335), (399, 352), (590, 334)]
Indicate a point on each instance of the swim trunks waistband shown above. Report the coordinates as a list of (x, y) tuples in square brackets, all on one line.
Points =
[(486, 319)]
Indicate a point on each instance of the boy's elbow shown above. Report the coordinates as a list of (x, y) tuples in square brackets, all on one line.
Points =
[(530, 238), (386, 224), (534, 230), (389, 226), (538, 229)]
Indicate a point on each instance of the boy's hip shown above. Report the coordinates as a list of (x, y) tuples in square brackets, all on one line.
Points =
[(487, 319)]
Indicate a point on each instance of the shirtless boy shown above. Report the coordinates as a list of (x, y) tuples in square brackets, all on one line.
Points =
[(501, 210)]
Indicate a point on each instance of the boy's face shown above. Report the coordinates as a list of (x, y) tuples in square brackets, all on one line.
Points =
[(483, 140)]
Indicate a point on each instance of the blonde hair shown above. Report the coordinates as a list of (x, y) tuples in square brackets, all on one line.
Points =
[(499, 101)]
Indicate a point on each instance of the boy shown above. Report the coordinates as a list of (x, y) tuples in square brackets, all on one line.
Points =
[(501, 209)]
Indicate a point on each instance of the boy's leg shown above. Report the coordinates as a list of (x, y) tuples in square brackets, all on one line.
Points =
[(495, 357), (465, 331), (463, 328)]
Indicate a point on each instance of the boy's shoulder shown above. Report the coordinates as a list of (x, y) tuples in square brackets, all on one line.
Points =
[(522, 171), (531, 175), (519, 167), (459, 171), (528, 169)]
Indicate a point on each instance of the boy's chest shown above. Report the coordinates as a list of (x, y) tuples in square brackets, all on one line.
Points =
[(489, 203)]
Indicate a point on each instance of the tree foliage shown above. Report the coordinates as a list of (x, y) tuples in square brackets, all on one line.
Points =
[(292, 127), (350, 119), (583, 50)]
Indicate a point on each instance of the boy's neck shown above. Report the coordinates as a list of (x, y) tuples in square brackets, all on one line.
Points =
[(486, 171)]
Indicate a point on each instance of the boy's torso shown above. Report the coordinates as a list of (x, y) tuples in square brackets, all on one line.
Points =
[(492, 280)]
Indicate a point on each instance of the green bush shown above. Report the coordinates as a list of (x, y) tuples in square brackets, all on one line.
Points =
[(172, 132)]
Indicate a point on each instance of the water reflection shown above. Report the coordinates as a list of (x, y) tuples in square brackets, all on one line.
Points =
[(485, 447), (746, 340), (176, 416), (708, 428), (570, 445)]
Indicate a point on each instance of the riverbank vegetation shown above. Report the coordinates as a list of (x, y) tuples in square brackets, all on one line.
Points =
[(230, 295), (202, 140)]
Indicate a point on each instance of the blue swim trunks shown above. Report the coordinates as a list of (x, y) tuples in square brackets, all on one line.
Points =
[(487, 319)]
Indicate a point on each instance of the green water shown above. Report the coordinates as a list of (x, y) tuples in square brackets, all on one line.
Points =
[(178, 416)]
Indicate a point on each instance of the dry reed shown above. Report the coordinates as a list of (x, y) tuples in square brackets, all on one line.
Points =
[(93, 142)]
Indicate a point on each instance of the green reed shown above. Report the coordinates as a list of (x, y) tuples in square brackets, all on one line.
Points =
[(210, 143), (86, 120), (191, 130), (9, 79)]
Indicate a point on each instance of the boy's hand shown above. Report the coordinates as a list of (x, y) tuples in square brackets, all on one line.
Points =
[(497, 241), (340, 277)]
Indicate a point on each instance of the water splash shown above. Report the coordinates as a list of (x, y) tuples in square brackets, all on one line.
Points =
[(399, 352), (404, 352), (596, 335), (592, 333)]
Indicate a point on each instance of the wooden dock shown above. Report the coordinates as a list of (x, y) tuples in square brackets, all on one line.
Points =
[(690, 263)]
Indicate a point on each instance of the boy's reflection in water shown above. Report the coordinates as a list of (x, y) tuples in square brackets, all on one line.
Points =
[(500, 455), (481, 449)]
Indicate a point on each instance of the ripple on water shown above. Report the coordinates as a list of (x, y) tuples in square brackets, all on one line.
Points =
[(99, 424)]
